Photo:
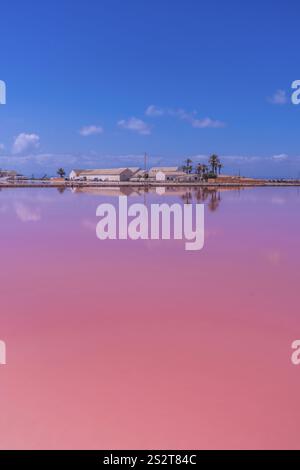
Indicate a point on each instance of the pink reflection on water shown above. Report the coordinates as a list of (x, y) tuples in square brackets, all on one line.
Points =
[(125, 344)]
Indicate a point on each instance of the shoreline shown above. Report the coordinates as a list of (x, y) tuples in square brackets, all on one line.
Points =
[(153, 184)]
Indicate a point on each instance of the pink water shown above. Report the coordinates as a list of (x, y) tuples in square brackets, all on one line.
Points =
[(140, 344)]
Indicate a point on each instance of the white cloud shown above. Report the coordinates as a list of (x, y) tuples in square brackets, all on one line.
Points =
[(280, 158), (88, 224), (280, 201), (195, 122), (153, 111), (206, 123), (200, 157), (24, 142), (135, 125), (182, 114), (242, 158), (247, 158), (26, 213), (86, 131), (279, 97), (191, 117), (274, 257), (2, 147)]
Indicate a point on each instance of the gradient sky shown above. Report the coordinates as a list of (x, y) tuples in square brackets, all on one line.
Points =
[(81, 76)]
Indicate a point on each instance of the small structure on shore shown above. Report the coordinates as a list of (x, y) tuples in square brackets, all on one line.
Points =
[(8, 174), (57, 180), (140, 175), (162, 169), (169, 174), (176, 176), (228, 179)]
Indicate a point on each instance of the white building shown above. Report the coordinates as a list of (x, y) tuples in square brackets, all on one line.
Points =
[(172, 174), (163, 169), (7, 175), (139, 175), (113, 175)]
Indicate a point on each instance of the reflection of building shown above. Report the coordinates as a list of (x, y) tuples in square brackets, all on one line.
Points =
[(160, 190), (208, 195), (112, 175), (105, 191)]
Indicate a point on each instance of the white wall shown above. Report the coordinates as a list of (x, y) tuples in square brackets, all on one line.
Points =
[(72, 175), (100, 177), (160, 176), (125, 176)]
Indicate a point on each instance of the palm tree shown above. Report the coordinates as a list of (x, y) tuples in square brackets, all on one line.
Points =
[(214, 161), (188, 167), (201, 169), (61, 172), (220, 166)]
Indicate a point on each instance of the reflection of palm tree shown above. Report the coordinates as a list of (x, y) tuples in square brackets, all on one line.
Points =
[(201, 194), (214, 201), (206, 193), (187, 197)]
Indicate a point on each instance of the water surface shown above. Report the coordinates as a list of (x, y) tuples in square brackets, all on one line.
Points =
[(140, 344)]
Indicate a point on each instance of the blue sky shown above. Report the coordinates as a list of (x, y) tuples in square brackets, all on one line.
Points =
[(98, 83)]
